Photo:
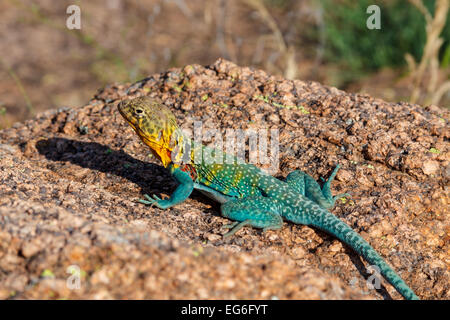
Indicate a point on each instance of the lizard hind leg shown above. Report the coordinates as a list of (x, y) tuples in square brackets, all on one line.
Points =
[(308, 187), (326, 191), (255, 211), (322, 196), (296, 180)]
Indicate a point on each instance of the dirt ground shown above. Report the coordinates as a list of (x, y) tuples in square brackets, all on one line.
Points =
[(70, 179), (44, 65)]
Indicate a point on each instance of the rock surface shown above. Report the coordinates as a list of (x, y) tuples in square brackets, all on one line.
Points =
[(70, 179)]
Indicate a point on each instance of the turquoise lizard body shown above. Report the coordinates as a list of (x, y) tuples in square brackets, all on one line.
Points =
[(248, 195)]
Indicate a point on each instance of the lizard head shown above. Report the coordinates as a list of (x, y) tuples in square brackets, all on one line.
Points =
[(155, 124)]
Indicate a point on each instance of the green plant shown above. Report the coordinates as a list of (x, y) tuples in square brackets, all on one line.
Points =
[(351, 45)]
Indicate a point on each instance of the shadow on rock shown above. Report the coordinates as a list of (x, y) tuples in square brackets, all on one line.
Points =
[(150, 177), (95, 156)]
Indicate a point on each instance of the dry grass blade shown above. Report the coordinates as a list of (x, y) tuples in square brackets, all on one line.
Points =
[(428, 68), (287, 52)]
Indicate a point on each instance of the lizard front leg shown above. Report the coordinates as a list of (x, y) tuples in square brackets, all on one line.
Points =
[(181, 193)]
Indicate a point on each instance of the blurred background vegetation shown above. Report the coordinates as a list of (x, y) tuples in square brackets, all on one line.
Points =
[(44, 65)]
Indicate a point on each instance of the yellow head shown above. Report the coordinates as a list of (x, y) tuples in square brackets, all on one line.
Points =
[(155, 124)]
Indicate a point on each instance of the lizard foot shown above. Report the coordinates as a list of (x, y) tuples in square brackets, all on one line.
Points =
[(155, 200), (342, 195), (230, 225), (237, 226)]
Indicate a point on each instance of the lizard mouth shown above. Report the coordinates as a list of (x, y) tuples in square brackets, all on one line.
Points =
[(146, 138), (121, 106), (131, 120)]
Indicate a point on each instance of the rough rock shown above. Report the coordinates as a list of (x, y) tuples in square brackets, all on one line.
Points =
[(70, 179)]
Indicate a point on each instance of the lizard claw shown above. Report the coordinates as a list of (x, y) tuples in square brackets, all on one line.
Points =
[(230, 225), (155, 200), (155, 197), (342, 195), (151, 201)]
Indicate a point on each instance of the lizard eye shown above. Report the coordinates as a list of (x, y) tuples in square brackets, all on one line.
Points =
[(138, 113)]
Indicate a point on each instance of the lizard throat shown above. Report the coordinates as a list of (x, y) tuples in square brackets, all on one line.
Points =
[(163, 153), (167, 151)]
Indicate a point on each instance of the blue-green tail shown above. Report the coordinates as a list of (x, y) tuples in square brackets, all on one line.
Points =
[(334, 226)]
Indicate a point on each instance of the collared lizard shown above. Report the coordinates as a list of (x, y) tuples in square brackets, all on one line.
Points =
[(248, 195)]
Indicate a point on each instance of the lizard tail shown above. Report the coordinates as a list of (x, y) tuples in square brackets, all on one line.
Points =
[(334, 226)]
